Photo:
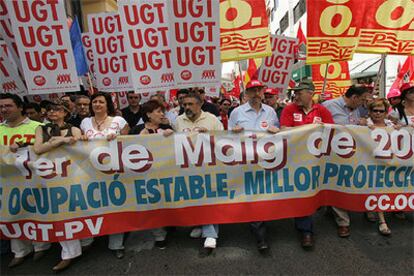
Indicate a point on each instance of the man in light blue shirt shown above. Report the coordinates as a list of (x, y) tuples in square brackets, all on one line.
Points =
[(345, 111), (254, 115)]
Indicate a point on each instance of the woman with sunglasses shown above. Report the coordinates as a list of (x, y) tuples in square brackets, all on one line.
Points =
[(103, 124), (48, 137), (378, 110)]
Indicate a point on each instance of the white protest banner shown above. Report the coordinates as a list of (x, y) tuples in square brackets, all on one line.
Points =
[(195, 40), (7, 34), (44, 97), (42, 38), (172, 44), (276, 69), (122, 99), (212, 91), (110, 59), (8, 52), (87, 44), (147, 32), (10, 81)]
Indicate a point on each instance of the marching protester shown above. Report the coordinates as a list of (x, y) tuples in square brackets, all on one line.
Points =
[(153, 117), (345, 111), (19, 131), (394, 98), (404, 114), (70, 102), (170, 115), (33, 111), (206, 106), (301, 112), (104, 125), (378, 110), (180, 98), (132, 113), (271, 99), (253, 115), (405, 109), (82, 103), (224, 112), (195, 119), (48, 137)]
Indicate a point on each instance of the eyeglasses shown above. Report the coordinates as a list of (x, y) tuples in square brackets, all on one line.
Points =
[(378, 111)]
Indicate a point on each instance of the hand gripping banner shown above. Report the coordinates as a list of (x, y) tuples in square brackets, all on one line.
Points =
[(149, 181)]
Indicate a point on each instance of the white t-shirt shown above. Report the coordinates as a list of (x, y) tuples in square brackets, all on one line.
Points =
[(117, 124), (410, 119), (387, 122)]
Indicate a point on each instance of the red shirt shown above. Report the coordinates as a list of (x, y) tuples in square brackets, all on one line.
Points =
[(224, 119), (293, 115)]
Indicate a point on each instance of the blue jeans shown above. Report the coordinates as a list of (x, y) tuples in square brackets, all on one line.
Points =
[(210, 231), (304, 224)]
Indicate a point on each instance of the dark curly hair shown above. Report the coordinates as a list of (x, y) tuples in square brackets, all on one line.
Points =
[(109, 104), (149, 107)]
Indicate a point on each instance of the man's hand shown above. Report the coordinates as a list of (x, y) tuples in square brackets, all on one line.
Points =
[(273, 129), (202, 130), (237, 129), (363, 122), (14, 147)]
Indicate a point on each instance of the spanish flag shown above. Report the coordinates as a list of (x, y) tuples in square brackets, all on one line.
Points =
[(252, 70)]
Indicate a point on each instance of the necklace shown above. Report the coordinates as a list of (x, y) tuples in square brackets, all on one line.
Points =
[(98, 125)]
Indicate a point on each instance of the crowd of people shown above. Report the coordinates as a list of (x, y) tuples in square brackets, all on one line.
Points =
[(74, 118)]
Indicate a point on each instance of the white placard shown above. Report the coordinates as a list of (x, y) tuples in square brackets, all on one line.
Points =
[(42, 38)]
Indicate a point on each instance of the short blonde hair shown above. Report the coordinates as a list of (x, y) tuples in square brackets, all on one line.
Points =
[(379, 102)]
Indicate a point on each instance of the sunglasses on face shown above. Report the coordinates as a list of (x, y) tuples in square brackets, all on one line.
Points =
[(378, 111)]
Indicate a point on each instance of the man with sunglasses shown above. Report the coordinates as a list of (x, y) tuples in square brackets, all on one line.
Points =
[(345, 111), (206, 106)]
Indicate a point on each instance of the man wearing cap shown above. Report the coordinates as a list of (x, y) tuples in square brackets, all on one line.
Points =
[(253, 115), (270, 98), (301, 112), (345, 111)]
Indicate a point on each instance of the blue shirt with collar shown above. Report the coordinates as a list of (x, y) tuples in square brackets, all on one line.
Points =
[(246, 117), (342, 115)]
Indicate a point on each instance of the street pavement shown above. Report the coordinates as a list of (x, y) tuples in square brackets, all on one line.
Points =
[(364, 252)]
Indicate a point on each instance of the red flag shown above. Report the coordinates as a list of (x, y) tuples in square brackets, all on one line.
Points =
[(301, 36), (292, 83), (301, 41), (407, 68), (251, 73), (236, 90)]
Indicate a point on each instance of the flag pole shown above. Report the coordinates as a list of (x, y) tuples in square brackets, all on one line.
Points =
[(380, 81), (91, 89), (241, 75), (324, 79)]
